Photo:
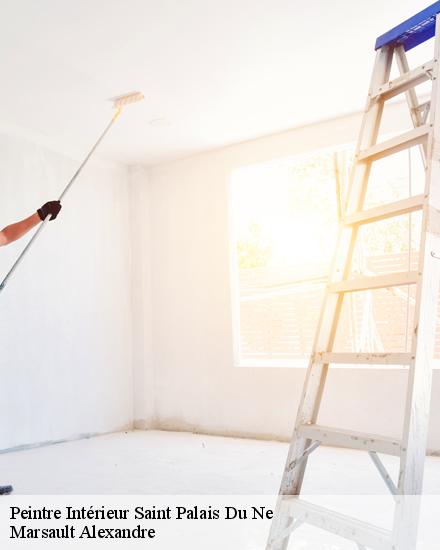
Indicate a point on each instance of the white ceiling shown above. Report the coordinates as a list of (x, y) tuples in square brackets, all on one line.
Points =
[(218, 71)]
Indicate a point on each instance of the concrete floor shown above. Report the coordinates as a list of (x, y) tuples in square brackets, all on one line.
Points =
[(155, 462)]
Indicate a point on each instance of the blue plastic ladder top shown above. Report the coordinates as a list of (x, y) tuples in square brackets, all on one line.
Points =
[(413, 31)]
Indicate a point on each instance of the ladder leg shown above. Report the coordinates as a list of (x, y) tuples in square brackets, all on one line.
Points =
[(418, 397), (279, 524), (406, 520), (326, 332), (296, 460), (308, 412)]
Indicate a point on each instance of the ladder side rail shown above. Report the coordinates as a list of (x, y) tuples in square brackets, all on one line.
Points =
[(420, 375), (316, 373), (332, 305), (411, 97), (406, 522)]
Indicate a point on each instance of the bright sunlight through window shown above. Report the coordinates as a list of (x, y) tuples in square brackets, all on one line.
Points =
[(285, 217)]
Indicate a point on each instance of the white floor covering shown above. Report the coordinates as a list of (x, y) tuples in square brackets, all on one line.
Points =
[(155, 462)]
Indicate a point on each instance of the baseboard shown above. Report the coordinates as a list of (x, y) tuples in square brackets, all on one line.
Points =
[(88, 435), (151, 424), (174, 427)]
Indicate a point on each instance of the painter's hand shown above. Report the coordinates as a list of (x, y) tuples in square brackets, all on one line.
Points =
[(53, 208)]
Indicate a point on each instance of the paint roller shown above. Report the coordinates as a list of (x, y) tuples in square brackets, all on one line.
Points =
[(119, 102)]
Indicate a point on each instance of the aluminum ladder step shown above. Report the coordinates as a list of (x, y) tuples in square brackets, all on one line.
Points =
[(396, 144), (405, 81), (363, 533), (392, 209), (336, 437), (363, 358), (375, 282)]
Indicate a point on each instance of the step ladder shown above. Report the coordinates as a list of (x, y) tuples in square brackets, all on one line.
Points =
[(308, 433)]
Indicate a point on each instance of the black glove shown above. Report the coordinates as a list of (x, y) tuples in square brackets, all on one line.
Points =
[(52, 207)]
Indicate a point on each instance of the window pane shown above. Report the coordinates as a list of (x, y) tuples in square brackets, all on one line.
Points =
[(285, 224)]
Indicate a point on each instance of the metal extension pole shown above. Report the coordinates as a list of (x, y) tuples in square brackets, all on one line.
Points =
[(63, 194)]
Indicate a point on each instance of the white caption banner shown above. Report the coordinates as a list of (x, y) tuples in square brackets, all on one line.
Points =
[(194, 521)]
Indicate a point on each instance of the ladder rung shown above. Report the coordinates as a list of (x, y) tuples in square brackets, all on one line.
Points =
[(396, 144), (397, 208), (350, 528), (405, 81), (349, 439), (364, 358), (377, 281)]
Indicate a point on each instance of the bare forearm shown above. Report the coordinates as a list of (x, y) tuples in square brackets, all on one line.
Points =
[(11, 233), (16, 230)]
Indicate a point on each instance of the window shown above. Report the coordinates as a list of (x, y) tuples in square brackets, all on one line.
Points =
[(285, 216)]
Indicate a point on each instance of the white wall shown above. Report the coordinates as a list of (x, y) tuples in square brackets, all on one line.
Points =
[(131, 287), (187, 242), (65, 317), (143, 371)]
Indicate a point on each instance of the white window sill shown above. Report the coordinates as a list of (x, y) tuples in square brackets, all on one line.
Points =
[(303, 364)]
